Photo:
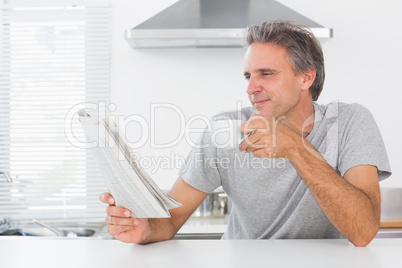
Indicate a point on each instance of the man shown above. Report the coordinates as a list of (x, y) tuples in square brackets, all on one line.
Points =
[(318, 166)]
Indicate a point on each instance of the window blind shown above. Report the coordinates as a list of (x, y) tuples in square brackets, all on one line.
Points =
[(54, 57)]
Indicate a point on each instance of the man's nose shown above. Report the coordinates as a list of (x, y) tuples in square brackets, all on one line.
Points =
[(253, 86)]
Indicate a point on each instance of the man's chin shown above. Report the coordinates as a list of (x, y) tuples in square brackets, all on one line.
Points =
[(264, 112)]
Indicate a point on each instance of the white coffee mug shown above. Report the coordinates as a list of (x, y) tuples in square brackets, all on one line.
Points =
[(226, 134)]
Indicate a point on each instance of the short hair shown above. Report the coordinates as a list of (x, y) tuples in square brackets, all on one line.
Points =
[(303, 48)]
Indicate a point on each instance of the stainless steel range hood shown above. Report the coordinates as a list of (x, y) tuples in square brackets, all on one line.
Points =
[(212, 23)]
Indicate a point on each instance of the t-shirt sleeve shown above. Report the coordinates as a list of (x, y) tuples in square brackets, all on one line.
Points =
[(200, 169), (362, 143)]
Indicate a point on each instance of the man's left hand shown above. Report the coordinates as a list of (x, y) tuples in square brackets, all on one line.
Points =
[(268, 137)]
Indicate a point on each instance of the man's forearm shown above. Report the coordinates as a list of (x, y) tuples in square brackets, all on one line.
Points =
[(348, 208), (160, 229)]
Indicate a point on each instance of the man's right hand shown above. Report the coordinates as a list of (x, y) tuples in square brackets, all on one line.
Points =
[(127, 229), (121, 225)]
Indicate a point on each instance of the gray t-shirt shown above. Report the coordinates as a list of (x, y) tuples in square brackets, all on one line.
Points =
[(269, 199)]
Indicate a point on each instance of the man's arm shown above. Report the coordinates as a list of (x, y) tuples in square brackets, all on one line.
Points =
[(351, 203), (143, 231)]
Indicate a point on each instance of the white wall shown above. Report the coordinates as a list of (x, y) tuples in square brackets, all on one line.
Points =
[(362, 63)]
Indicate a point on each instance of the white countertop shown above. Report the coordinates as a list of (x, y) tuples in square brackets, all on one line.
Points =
[(17, 252), (204, 225)]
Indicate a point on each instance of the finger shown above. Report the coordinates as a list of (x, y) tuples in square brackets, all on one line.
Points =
[(260, 153), (255, 123), (106, 198), (266, 153), (118, 212), (121, 221), (248, 127), (116, 230), (254, 142), (248, 141), (256, 146)]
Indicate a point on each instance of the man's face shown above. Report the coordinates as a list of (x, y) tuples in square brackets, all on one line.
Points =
[(273, 87)]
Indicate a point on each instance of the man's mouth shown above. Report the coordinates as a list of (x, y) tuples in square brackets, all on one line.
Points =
[(259, 103)]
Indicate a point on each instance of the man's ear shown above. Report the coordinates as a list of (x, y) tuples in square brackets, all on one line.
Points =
[(308, 78)]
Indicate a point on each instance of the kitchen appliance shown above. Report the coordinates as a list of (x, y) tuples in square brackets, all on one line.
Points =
[(212, 23), (216, 204)]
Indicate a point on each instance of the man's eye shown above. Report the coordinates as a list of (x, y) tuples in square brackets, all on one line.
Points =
[(266, 74), (247, 77)]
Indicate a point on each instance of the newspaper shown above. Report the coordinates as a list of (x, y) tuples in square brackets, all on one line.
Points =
[(131, 187)]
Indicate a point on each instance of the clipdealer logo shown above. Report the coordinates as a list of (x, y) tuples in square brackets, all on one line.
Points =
[(147, 136), (146, 128)]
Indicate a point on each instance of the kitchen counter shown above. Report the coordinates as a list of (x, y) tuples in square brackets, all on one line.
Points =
[(203, 228), (213, 228), (16, 252), (194, 228)]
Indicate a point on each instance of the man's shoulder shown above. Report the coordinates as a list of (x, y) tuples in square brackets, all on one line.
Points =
[(242, 114), (342, 110)]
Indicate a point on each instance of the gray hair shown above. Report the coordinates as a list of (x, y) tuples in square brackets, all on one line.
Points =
[(302, 46)]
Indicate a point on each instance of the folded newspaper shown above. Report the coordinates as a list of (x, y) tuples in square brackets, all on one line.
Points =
[(130, 186)]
